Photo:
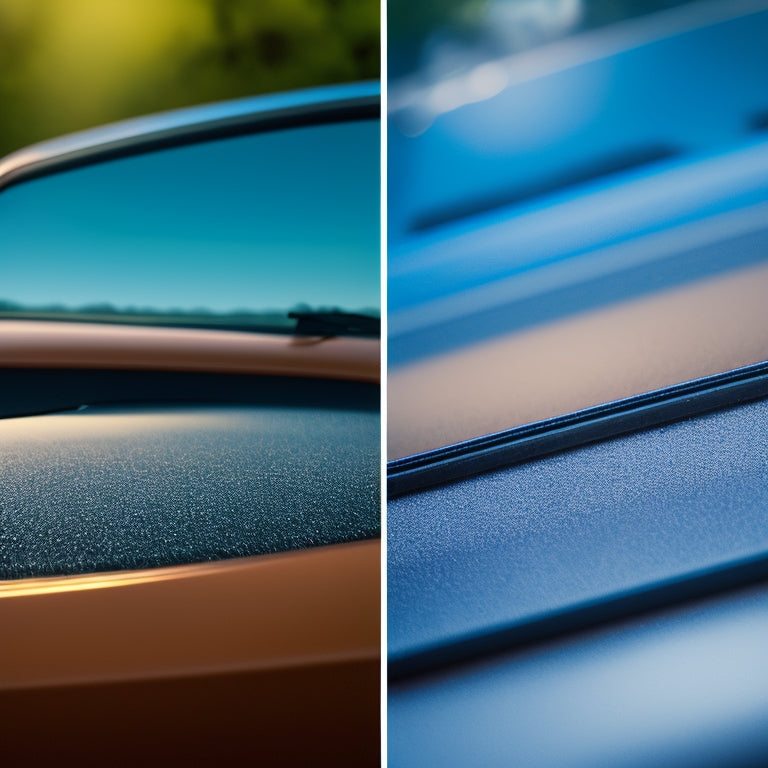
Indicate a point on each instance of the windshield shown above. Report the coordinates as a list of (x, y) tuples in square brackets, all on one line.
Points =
[(254, 232)]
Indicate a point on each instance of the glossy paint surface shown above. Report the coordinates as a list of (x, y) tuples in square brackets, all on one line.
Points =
[(205, 617), (50, 344), (196, 662)]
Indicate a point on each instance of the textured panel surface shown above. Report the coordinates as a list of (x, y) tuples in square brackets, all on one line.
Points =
[(109, 489), (492, 550)]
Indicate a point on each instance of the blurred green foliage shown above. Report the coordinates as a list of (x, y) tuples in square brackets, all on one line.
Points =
[(66, 65), (598, 13), (410, 22)]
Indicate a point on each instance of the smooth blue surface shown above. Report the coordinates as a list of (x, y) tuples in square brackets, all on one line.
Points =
[(683, 689), (567, 284), (689, 90), (261, 223), (500, 548), (541, 184), (568, 227)]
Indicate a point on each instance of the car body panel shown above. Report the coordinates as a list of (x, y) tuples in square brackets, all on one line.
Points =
[(51, 344), (208, 661), (201, 618), (470, 558), (202, 662), (576, 524), (683, 686)]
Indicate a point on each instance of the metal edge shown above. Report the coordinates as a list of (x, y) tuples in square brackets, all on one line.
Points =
[(531, 441), (100, 346), (630, 604), (195, 618), (190, 125)]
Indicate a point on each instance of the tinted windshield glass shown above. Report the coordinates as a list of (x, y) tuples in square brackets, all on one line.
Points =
[(237, 232)]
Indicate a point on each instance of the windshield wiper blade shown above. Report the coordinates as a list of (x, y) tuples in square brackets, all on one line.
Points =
[(335, 324)]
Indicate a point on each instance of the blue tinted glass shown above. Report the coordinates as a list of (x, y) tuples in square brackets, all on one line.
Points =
[(255, 225)]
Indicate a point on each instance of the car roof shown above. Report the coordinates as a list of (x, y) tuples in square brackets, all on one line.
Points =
[(192, 124)]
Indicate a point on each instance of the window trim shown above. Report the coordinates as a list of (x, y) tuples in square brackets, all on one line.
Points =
[(357, 101), (530, 441)]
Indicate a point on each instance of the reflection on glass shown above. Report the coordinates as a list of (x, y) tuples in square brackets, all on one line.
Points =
[(237, 232)]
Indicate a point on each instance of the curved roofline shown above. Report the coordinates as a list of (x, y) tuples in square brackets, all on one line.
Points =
[(192, 124)]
